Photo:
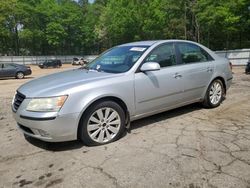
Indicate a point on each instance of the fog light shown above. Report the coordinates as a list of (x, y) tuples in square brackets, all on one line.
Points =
[(43, 133)]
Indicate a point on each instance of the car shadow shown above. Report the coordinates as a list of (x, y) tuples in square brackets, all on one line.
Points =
[(55, 146), (72, 145), (13, 78), (28, 77)]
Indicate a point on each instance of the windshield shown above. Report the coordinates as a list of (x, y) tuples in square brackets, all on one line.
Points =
[(117, 60)]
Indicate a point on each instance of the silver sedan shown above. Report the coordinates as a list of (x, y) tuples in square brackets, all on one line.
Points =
[(131, 81)]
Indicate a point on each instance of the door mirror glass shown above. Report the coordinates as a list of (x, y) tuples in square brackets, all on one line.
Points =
[(150, 66)]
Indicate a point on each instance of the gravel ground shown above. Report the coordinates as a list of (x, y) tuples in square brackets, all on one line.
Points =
[(188, 147)]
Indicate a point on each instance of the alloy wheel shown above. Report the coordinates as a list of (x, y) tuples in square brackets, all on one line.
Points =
[(103, 125), (215, 93), (20, 75)]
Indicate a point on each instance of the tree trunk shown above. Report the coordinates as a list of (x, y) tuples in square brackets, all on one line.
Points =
[(185, 21), (197, 30), (17, 50)]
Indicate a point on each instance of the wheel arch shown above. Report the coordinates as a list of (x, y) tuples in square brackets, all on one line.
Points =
[(105, 98), (215, 78)]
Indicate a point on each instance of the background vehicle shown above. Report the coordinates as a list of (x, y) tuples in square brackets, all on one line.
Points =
[(79, 61), (50, 63), (247, 70), (128, 82), (14, 70)]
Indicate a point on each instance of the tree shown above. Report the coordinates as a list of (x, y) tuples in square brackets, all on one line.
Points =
[(36, 27), (219, 21)]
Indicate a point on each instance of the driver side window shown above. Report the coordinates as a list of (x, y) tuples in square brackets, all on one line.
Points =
[(164, 55), (8, 66)]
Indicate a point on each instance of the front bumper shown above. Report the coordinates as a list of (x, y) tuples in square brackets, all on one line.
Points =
[(56, 128), (229, 83), (28, 72)]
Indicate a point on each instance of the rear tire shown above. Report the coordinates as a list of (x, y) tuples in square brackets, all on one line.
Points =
[(214, 95), (19, 75), (102, 123)]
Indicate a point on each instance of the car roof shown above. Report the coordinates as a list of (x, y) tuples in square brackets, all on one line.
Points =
[(16, 64), (152, 42), (140, 43)]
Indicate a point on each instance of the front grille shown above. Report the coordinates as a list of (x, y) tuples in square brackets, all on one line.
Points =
[(25, 129), (19, 97)]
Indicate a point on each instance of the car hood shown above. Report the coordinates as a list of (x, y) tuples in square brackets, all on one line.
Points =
[(62, 82)]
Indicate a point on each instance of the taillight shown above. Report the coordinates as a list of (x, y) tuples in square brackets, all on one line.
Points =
[(231, 65)]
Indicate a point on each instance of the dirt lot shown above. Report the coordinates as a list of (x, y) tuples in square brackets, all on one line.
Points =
[(187, 147)]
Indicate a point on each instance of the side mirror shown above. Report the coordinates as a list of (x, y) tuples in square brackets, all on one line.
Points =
[(150, 66)]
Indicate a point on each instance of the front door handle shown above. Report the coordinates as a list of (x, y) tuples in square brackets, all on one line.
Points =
[(177, 75), (209, 69)]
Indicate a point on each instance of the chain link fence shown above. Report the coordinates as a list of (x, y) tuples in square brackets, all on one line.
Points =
[(236, 57), (29, 60)]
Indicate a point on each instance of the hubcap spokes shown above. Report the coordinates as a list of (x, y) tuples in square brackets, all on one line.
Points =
[(19, 75), (103, 125), (215, 93)]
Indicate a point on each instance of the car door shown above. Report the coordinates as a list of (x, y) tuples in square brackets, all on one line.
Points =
[(8, 70), (197, 67), (45, 64), (156, 90), (50, 63)]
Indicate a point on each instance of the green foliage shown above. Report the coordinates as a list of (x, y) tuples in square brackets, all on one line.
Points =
[(222, 25), (55, 33), (38, 27)]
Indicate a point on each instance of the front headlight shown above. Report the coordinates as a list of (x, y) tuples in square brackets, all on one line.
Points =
[(13, 99), (51, 104)]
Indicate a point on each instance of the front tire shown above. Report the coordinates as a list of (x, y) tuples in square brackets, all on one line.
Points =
[(103, 122), (215, 94)]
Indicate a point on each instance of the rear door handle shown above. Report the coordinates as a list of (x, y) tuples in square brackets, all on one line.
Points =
[(177, 75)]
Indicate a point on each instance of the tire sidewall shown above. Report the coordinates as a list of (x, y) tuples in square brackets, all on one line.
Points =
[(82, 131), (210, 104)]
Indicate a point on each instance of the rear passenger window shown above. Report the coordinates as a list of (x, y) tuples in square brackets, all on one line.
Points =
[(191, 53), (164, 55)]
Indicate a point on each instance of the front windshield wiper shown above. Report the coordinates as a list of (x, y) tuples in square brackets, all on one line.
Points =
[(94, 69)]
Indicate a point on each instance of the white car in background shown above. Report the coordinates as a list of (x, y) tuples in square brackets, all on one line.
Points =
[(79, 61)]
